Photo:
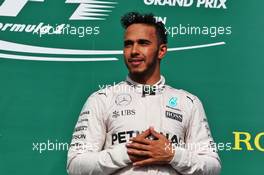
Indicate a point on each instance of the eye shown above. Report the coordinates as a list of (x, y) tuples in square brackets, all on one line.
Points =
[(128, 43), (144, 42)]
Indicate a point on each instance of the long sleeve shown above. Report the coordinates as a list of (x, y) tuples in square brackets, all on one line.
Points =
[(85, 156), (198, 156)]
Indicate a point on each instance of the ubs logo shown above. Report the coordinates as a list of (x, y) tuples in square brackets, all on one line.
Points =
[(126, 112)]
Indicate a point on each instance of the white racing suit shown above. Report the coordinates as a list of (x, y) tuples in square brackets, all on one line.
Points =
[(113, 115)]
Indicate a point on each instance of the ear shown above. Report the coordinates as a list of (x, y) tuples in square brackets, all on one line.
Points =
[(162, 51)]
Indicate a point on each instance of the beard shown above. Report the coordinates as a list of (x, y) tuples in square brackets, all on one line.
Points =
[(146, 69), (141, 73)]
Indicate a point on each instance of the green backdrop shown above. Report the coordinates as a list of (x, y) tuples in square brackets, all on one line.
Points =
[(40, 100)]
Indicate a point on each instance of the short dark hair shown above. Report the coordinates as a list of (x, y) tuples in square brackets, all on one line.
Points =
[(136, 18)]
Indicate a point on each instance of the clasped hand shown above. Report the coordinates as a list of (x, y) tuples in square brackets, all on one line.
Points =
[(143, 151)]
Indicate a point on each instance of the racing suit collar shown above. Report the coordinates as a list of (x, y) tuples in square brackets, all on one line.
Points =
[(145, 89)]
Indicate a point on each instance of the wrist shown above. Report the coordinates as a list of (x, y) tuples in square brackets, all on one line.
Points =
[(171, 153)]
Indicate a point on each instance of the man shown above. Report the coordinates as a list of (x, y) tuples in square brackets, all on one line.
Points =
[(142, 126)]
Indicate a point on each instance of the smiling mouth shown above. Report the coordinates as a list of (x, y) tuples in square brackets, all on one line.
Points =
[(135, 61)]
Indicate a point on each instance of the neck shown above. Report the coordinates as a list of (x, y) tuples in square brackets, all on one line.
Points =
[(149, 79)]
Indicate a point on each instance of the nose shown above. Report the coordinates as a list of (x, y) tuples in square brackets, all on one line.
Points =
[(134, 50)]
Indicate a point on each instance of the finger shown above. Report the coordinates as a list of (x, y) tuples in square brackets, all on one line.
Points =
[(136, 158), (155, 133), (138, 146), (135, 152), (140, 140), (149, 161), (144, 134)]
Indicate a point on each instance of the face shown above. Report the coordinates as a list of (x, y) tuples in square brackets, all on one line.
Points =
[(141, 49)]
